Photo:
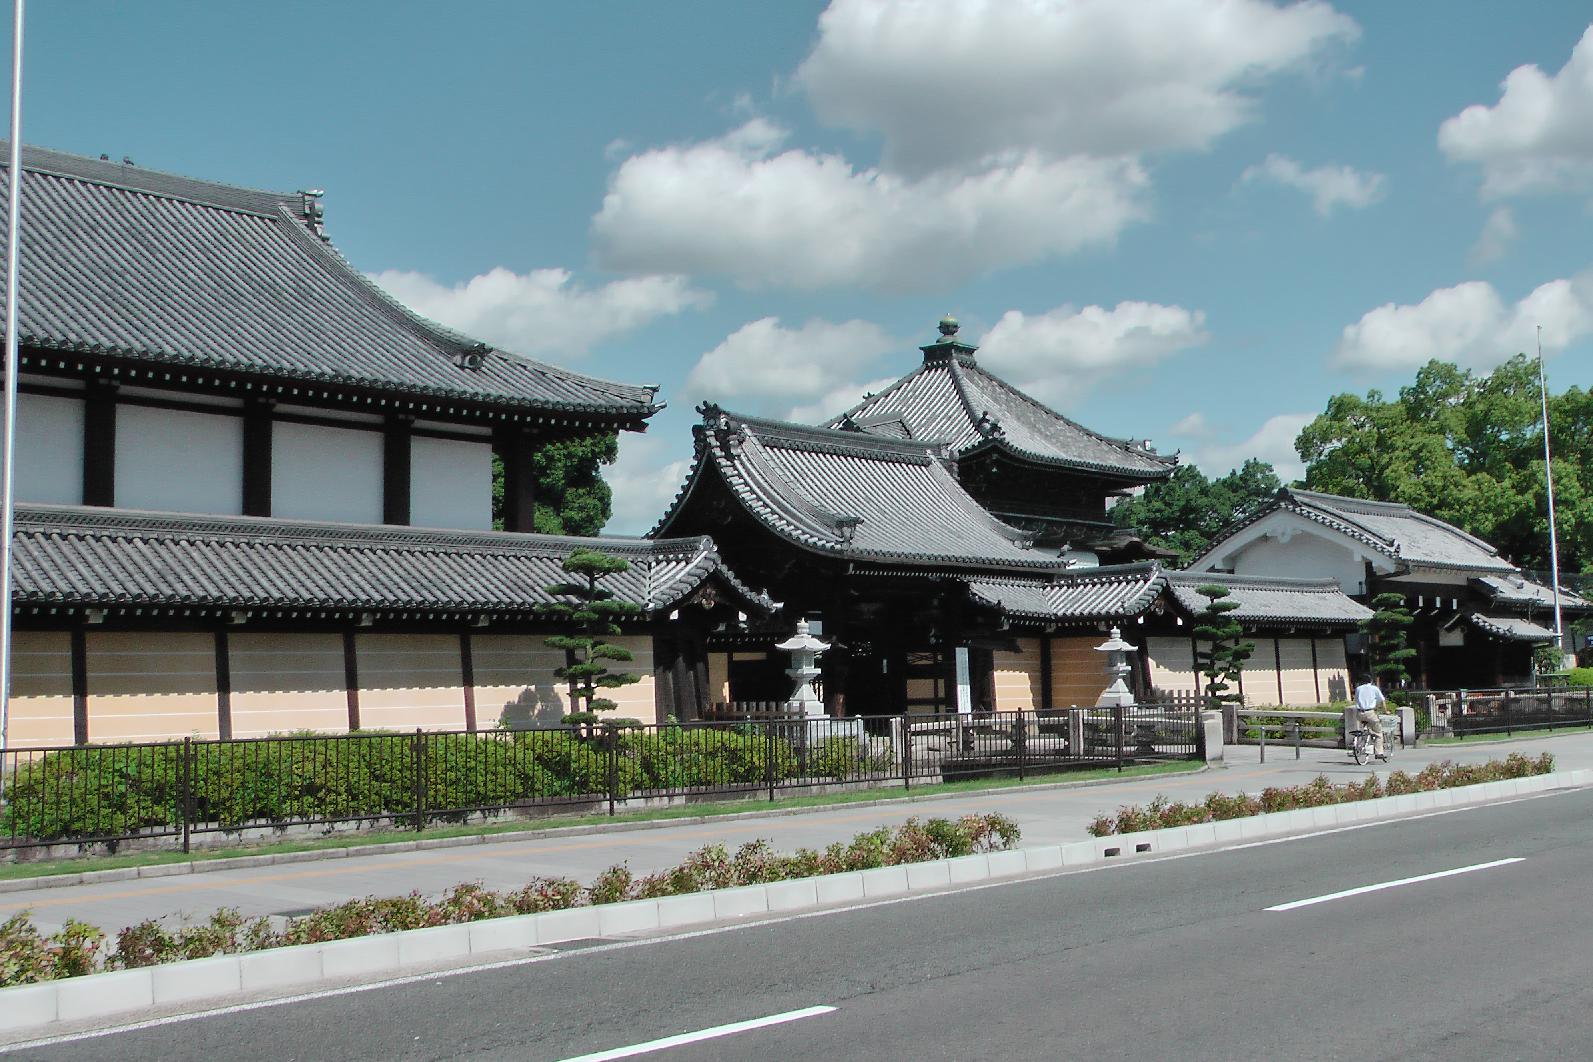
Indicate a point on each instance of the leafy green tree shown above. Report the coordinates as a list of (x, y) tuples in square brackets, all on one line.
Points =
[(1468, 449), (1223, 656), (596, 613), (571, 496), (1387, 632), (1186, 511)]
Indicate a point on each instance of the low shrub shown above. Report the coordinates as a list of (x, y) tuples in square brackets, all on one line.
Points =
[(1319, 792), (1580, 676), (27, 956)]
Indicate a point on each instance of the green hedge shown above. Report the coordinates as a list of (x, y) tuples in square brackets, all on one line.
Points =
[(107, 790)]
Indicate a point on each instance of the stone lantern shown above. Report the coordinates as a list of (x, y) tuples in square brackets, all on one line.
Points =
[(804, 650), (1117, 668)]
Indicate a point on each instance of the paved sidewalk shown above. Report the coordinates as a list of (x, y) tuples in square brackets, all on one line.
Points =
[(1047, 816)]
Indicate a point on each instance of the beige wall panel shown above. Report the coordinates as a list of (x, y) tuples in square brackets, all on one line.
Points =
[(926, 689), (1260, 675), (1333, 669), (515, 683), (286, 682), (1299, 680), (151, 686), (1172, 665), (636, 701), (41, 689), (1078, 672), (718, 678), (1017, 677), (409, 681)]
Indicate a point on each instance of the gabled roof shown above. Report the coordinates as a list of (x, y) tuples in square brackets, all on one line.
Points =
[(1267, 601), (1510, 628), (1517, 591), (137, 266), (120, 558), (1390, 528), (950, 399), (862, 497)]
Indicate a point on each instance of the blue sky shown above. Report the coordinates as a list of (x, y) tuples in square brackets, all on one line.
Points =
[(1187, 220)]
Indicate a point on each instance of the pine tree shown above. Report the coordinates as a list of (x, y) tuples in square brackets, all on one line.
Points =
[(1225, 652), (1387, 630), (596, 614)]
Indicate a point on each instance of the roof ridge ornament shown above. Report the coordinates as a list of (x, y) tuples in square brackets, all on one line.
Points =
[(948, 346)]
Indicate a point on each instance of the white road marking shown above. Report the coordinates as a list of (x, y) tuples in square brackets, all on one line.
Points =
[(702, 1034), (1292, 905)]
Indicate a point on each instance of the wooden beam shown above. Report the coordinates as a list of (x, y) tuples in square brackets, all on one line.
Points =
[(1316, 671), (257, 457), (1047, 697), (396, 464), (223, 688), (80, 719), (99, 444), (351, 679), (1277, 666), (467, 672), (519, 480)]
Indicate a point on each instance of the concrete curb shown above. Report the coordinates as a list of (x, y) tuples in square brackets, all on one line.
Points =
[(423, 843), (34, 1008)]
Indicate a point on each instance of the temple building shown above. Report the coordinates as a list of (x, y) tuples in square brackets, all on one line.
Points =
[(255, 493), (1478, 617), (896, 532)]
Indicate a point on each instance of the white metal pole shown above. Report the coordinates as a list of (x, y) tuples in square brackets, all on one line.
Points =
[(8, 447), (1548, 476)]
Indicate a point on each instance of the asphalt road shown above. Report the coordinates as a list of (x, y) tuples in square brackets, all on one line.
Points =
[(1177, 957), (1047, 816)]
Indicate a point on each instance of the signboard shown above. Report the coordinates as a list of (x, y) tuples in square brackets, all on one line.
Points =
[(964, 686)]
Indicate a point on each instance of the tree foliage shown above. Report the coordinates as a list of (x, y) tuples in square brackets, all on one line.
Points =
[(595, 612), (571, 496), (1387, 632), (1468, 449), (1186, 511), (1222, 656)]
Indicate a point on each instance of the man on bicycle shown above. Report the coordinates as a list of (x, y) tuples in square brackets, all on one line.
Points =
[(1368, 699)]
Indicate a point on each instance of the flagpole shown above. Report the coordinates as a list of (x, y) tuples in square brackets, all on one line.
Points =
[(8, 446), (1548, 476)]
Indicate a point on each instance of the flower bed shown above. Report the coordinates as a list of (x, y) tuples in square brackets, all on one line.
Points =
[(27, 956), (1446, 774)]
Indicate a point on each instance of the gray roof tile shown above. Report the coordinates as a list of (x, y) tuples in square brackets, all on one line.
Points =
[(132, 264), (1115, 592), (1510, 628), (1517, 591), (1269, 601), (84, 556), (1398, 531)]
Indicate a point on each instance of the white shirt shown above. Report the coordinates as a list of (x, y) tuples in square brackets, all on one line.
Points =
[(1368, 697)]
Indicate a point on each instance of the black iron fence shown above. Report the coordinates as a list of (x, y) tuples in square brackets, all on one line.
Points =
[(174, 792), (1504, 711)]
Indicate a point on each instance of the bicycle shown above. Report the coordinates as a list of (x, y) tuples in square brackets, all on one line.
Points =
[(1363, 743)]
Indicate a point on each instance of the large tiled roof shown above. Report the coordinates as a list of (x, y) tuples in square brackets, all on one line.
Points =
[(146, 268), (858, 496), (127, 559), (950, 399), (1115, 592), (1265, 601), (1517, 591), (1391, 528), (1510, 628)]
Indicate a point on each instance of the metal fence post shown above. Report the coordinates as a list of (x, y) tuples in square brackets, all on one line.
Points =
[(1295, 726), (768, 758), (420, 778), (1117, 723), (611, 766), (1509, 732), (907, 752), (1261, 729), (186, 789)]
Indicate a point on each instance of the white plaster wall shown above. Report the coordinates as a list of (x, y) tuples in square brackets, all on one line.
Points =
[(450, 484), (49, 449), (1304, 556), (324, 473), (176, 460)]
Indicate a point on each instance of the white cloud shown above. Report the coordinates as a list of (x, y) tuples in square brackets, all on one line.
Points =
[(1065, 350), (542, 312), (957, 81), (1470, 324), (1328, 186), (775, 369), (1273, 442), (737, 206), (1194, 426), (645, 478), (1499, 233), (837, 401), (1538, 137)]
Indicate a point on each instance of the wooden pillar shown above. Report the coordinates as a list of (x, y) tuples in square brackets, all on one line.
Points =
[(396, 470), (257, 457), (351, 680), (837, 663), (99, 444), (1316, 671), (699, 670), (80, 719), (664, 694), (519, 480), (689, 704), (223, 688), (467, 673), (1047, 698), (1277, 666)]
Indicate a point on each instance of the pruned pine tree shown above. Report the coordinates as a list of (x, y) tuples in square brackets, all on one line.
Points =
[(1387, 630), (595, 613), (1222, 656)]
